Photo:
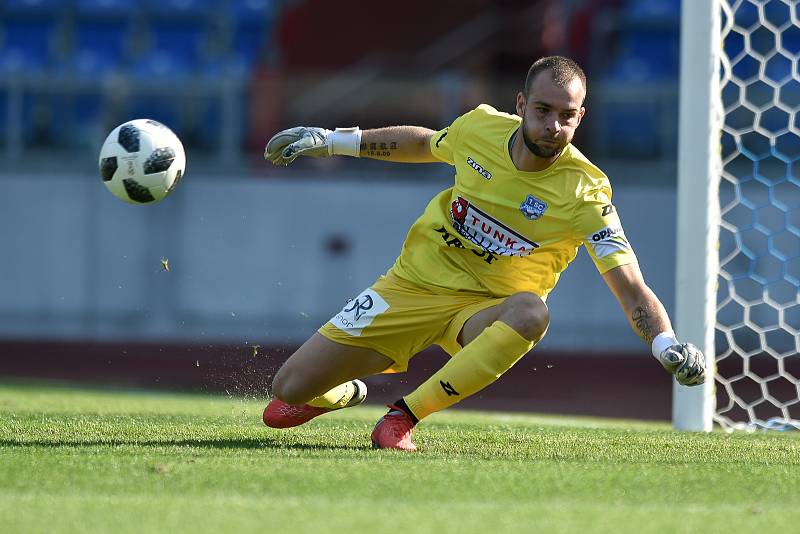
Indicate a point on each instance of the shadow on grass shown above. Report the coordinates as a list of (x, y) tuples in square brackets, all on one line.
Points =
[(244, 443)]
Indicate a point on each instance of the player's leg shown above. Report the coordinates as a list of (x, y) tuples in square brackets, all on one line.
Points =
[(319, 377), (493, 340)]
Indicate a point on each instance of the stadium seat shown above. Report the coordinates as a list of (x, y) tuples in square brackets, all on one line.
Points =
[(647, 56), (99, 46), (652, 11), (632, 131), (256, 11), (167, 109), (34, 6), (27, 115), (26, 46), (176, 49), (249, 46), (100, 8), (179, 8)]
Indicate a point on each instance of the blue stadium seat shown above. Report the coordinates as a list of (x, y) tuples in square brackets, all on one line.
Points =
[(642, 140), (27, 115), (167, 109), (176, 54), (99, 46), (179, 8), (652, 11), (100, 8), (252, 22), (176, 49), (77, 117), (34, 6), (249, 46), (255, 11), (647, 55), (26, 47)]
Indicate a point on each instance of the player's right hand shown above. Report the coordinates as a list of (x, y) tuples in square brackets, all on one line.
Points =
[(286, 145), (686, 362)]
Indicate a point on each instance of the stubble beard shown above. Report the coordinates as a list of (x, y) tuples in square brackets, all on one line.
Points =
[(538, 150)]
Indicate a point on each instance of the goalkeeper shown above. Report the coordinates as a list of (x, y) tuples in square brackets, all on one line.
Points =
[(476, 267)]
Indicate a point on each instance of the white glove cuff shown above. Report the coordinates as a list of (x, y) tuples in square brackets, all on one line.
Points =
[(345, 142), (662, 342)]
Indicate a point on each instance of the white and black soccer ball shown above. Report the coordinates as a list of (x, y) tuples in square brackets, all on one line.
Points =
[(142, 161)]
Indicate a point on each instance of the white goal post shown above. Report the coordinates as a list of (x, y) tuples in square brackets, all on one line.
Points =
[(738, 230), (699, 169)]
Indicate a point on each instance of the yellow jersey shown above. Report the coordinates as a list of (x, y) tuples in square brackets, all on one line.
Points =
[(500, 230)]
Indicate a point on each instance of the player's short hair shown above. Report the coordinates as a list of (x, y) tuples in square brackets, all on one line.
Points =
[(563, 70)]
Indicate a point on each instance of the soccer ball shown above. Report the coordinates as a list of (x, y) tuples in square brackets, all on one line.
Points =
[(142, 161)]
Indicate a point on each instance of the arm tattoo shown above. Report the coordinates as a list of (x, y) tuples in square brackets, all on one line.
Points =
[(641, 319), (379, 150)]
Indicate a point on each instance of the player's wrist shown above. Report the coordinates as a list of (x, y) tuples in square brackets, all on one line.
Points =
[(345, 142), (663, 341)]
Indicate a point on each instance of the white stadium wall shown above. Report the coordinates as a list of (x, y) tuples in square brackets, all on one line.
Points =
[(256, 260)]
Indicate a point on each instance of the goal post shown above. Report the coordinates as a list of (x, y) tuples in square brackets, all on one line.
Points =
[(699, 167)]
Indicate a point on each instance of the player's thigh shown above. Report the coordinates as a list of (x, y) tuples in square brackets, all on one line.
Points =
[(477, 323), (321, 364)]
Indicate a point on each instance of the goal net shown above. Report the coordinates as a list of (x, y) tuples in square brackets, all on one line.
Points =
[(753, 192), (758, 310)]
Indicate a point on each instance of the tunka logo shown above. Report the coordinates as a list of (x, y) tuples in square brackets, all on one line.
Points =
[(483, 172), (488, 233)]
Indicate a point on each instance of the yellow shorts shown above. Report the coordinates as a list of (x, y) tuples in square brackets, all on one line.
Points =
[(399, 318)]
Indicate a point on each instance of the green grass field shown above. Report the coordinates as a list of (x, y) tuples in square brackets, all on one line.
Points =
[(82, 460)]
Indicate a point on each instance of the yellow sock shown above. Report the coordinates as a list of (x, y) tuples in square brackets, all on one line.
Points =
[(470, 370), (337, 397)]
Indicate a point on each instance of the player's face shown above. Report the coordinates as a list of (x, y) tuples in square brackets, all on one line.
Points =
[(550, 114)]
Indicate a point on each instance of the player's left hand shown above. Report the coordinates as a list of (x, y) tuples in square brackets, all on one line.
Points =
[(286, 145), (686, 362)]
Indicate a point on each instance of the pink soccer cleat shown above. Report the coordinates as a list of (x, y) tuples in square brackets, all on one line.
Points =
[(279, 414), (394, 431)]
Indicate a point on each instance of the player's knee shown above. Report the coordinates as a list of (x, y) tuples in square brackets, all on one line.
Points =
[(527, 314), (289, 389)]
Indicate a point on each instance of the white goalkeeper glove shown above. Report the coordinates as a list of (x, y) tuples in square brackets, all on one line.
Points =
[(286, 145), (683, 360)]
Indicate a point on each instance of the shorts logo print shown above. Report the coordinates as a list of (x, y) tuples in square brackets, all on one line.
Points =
[(359, 313), (359, 307)]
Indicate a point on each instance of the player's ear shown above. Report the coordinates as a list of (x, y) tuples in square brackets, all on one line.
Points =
[(581, 113), (521, 104)]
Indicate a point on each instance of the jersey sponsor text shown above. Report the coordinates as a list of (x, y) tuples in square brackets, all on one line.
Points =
[(483, 230), (608, 240)]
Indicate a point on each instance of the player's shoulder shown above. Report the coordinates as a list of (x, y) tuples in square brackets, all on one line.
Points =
[(486, 113), (485, 124), (590, 177)]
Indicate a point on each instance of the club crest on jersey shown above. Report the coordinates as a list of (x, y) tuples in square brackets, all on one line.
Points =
[(533, 208), (486, 232)]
